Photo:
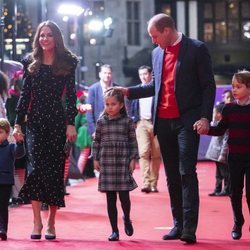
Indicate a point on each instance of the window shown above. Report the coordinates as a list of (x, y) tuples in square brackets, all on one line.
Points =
[(208, 11), (208, 33), (226, 21), (133, 23)]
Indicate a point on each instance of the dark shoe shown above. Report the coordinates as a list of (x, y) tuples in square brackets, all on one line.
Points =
[(65, 191), (188, 237), (146, 190), (236, 232), (174, 234), (37, 232), (128, 227), (50, 236), (213, 194), (223, 193), (50, 233), (114, 236), (3, 235), (13, 205), (17, 201), (35, 236), (154, 190)]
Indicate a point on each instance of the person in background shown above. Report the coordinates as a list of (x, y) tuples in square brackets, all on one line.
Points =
[(219, 144), (14, 94), (49, 72), (236, 119), (83, 140), (115, 153), (4, 86), (218, 151), (227, 96), (184, 92), (95, 97), (9, 152), (20, 164), (140, 110)]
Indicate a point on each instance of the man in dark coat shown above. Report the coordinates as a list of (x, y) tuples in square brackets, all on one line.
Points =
[(184, 90)]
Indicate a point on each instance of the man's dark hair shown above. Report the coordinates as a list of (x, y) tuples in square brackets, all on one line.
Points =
[(149, 69)]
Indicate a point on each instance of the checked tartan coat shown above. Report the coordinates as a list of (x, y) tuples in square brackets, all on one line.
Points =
[(114, 146)]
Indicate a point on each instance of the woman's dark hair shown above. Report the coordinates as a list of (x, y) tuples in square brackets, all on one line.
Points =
[(119, 96), (62, 64)]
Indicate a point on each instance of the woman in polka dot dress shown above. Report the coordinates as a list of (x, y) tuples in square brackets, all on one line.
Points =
[(49, 74)]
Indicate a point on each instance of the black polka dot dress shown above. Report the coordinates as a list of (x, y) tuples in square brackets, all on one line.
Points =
[(47, 117)]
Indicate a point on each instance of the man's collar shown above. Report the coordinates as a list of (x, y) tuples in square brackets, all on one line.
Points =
[(178, 39)]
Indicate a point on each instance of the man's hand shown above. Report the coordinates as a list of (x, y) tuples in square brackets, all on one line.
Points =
[(202, 126), (122, 89)]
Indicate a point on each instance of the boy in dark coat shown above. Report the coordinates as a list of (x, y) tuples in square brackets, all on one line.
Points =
[(8, 153)]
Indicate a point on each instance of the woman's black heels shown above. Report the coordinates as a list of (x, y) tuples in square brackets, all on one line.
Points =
[(114, 236), (35, 236), (50, 234)]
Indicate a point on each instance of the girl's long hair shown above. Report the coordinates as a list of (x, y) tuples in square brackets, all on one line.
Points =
[(62, 64), (120, 98)]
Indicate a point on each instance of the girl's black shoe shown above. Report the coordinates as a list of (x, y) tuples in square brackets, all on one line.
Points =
[(114, 236), (3, 235), (236, 232), (128, 227)]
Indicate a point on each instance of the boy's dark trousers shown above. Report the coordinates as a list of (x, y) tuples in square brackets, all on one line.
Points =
[(239, 172), (5, 191), (222, 173)]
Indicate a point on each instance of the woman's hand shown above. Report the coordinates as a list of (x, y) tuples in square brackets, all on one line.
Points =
[(17, 133), (71, 133)]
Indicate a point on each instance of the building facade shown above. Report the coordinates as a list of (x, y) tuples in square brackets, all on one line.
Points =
[(223, 24)]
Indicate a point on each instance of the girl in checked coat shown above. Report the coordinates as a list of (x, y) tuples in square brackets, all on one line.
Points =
[(114, 153)]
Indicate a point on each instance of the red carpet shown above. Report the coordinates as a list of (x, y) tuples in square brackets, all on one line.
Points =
[(84, 224)]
